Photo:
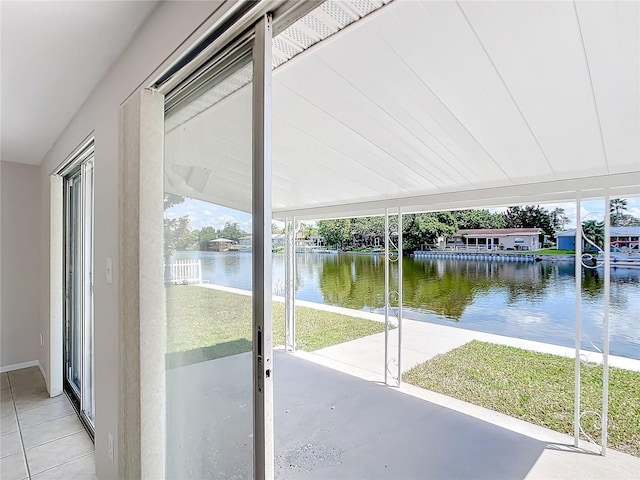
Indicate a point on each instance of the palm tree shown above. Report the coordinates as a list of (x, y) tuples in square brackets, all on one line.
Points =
[(616, 207), (593, 233), (307, 230), (275, 229)]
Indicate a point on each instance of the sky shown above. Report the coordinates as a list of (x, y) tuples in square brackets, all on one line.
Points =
[(203, 214)]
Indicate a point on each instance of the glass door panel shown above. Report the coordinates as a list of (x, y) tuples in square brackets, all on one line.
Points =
[(207, 228), (78, 338), (74, 283)]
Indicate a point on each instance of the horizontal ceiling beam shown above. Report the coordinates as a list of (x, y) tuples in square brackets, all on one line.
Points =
[(616, 185)]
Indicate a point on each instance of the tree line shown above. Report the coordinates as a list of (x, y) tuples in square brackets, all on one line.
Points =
[(178, 234), (418, 229), (421, 229)]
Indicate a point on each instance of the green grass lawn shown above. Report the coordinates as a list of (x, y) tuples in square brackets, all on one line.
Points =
[(553, 251), (534, 387), (203, 324)]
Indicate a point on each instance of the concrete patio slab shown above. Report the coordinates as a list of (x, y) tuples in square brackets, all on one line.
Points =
[(559, 458), (333, 425)]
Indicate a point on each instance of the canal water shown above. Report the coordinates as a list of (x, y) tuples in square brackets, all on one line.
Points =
[(533, 301)]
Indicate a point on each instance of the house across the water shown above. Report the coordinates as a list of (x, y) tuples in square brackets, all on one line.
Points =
[(623, 238), (220, 245), (496, 239), (246, 241)]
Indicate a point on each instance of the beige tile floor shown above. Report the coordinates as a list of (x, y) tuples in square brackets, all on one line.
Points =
[(41, 438)]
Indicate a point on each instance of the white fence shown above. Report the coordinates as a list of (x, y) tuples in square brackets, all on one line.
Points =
[(184, 272)]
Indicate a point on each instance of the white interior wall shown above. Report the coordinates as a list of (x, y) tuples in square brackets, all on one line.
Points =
[(169, 30), (20, 316)]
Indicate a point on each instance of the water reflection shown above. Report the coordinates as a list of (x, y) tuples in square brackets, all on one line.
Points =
[(534, 301), (443, 287)]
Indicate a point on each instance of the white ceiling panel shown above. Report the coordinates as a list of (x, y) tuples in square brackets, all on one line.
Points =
[(308, 153), (362, 156), (545, 70), (434, 103), (420, 115), (435, 39), (612, 43), (321, 158), (323, 89)]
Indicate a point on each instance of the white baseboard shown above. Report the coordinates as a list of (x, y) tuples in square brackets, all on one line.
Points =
[(18, 366)]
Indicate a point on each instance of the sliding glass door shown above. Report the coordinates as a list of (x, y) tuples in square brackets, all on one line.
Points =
[(218, 358), (78, 325)]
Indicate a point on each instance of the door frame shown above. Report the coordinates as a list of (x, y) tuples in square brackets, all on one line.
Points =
[(55, 377)]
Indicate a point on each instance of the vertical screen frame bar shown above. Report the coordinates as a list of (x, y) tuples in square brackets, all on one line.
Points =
[(290, 283), (386, 296), (263, 440), (606, 340), (578, 321), (400, 293)]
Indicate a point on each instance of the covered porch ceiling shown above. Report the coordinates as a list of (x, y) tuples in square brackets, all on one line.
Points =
[(435, 106)]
